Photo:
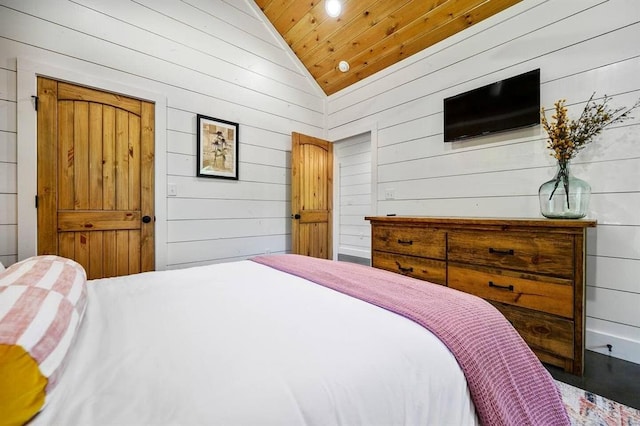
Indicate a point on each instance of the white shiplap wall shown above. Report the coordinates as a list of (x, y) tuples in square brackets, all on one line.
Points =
[(580, 47), (8, 166), (211, 57)]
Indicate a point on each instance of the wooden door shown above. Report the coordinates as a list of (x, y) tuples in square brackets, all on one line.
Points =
[(312, 196), (95, 179)]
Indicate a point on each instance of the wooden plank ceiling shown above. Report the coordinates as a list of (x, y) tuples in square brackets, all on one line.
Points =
[(369, 34)]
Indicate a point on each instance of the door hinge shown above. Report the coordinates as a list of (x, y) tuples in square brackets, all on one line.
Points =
[(35, 102), (36, 201)]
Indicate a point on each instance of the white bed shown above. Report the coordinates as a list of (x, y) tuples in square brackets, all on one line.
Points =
[(244, 344), (282, 340)]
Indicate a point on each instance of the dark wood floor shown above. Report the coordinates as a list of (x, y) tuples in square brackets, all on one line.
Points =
[(606, 376)]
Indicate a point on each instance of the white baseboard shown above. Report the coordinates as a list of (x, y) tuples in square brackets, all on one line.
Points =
[(350, 251), (622, 348)]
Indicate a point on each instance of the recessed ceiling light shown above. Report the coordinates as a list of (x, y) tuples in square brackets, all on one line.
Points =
[(343, 66), (333, 8)]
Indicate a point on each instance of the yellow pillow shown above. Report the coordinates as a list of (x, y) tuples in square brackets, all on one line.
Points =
[(42, 301), (22, 385)]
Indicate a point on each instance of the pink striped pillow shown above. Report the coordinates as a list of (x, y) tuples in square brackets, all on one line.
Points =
[(42, 301)]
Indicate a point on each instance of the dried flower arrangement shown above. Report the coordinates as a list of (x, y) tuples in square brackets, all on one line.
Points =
[(566, 137)]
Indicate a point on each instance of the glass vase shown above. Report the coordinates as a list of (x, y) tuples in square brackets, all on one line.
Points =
[(565, 196)]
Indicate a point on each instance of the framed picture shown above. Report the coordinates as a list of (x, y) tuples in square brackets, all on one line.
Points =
[(217, 148)]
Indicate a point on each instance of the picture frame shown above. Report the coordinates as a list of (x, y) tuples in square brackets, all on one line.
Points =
[(217, 148)]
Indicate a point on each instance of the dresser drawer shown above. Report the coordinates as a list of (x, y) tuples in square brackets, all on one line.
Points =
[(423, 242), (542, 331), (417, 267), (533, 252), (546, 294)]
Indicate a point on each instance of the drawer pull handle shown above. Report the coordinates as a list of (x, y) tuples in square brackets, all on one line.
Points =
[(498, 251), (405, 270), (501, 287), (405, 242)]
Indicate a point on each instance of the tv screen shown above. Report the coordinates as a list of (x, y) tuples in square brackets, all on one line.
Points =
[(504, 105)]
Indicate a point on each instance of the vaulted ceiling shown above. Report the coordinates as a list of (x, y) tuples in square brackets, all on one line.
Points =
[(369, 34)]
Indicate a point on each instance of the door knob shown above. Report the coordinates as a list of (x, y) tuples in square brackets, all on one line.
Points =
[(146, 219), (296, 216)]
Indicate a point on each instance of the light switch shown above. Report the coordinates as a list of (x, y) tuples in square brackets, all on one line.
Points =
[(172, 189), (390, 194)]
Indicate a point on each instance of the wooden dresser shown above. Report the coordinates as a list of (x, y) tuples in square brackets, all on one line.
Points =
[(532, 270)]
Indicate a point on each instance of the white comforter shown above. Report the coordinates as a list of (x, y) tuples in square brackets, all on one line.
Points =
[(243, 344)]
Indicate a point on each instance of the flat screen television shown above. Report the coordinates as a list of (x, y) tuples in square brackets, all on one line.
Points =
[(504, 105)]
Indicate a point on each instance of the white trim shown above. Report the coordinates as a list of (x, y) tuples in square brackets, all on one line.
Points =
[(339, 136), (374, 169), (349, 251), (27, 73), (345, 132), (622, 348), (335, 228)]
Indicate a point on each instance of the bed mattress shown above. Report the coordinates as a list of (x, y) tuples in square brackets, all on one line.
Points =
[(244, 344)]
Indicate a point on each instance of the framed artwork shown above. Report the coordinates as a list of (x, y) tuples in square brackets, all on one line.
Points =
[(217, 148)]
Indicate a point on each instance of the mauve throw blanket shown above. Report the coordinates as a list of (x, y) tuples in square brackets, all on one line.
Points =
[(508, 385)]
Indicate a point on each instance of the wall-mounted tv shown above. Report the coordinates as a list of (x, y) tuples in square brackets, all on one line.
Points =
[(504, 105)]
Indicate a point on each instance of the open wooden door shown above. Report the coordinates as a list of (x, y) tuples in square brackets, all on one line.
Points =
[(95, 179), (312, 196)]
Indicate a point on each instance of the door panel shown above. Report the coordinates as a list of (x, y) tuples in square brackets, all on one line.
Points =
[(95, 179), (312, 196)]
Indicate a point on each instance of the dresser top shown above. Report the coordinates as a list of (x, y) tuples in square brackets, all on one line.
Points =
[(505, 222)]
